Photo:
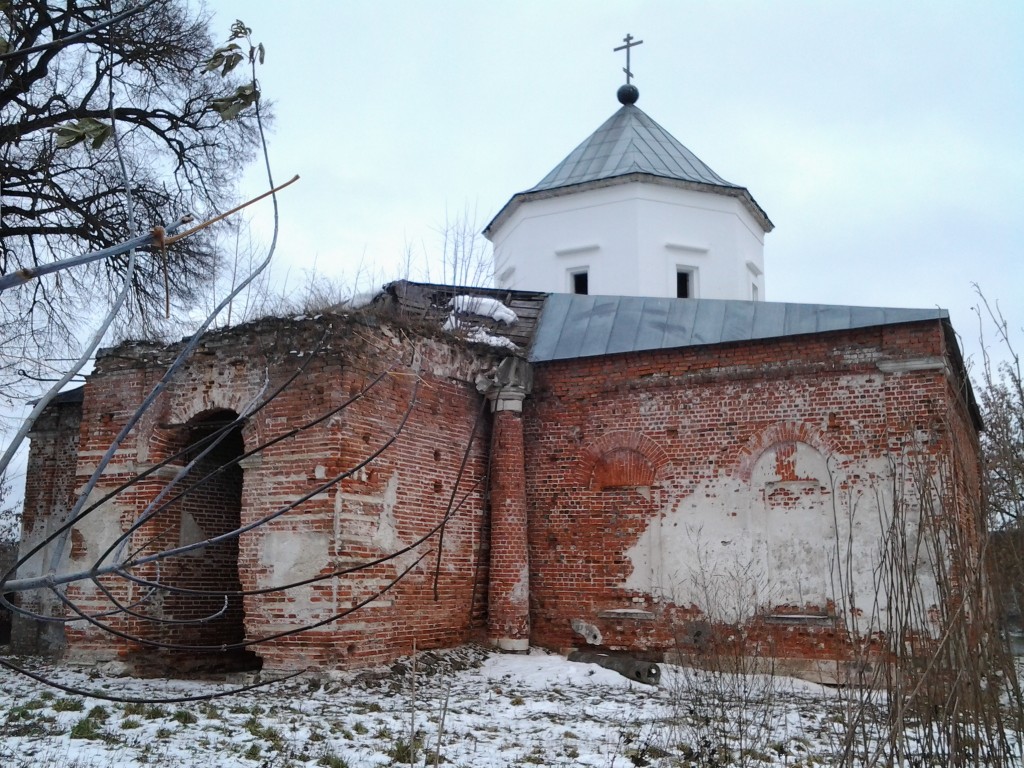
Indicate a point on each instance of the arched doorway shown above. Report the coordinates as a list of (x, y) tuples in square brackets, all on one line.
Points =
[(209, 506)]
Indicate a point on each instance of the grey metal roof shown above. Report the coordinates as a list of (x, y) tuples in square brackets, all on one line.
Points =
[(573, 326), (630, 146), (630, 142)]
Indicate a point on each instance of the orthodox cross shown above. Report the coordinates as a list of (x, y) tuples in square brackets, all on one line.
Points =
[(628, 40)]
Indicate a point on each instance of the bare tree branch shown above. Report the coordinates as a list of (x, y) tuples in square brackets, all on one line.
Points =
[(59, 200)]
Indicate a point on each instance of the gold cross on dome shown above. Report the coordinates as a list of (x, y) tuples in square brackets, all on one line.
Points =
[(628, 40)]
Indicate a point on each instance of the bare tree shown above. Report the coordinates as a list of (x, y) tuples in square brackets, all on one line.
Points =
[(465, 254), (8, 511), (61, 178), (1002, 401), (1001, 397), (240, 255)]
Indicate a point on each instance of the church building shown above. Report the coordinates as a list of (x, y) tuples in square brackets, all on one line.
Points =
[(622, 446)]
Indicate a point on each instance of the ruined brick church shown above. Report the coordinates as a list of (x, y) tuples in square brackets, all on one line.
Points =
[(591, 455)]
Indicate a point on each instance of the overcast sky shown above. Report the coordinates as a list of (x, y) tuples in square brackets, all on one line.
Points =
[(884, 140)]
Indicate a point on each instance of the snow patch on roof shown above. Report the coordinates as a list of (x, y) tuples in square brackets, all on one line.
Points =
[(483, 306), (481, 336)]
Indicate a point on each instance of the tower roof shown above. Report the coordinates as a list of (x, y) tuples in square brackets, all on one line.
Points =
[(630, 146), (630, 142)]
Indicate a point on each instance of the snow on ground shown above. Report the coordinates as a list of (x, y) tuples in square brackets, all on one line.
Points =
[(491, 709)]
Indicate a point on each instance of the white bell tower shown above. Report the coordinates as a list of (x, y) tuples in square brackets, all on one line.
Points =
[(632, 212)]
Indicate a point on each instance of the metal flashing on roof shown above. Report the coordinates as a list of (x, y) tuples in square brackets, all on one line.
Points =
[(573, 326)]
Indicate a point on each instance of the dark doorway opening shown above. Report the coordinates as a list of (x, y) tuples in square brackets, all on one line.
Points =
[(211, 506)]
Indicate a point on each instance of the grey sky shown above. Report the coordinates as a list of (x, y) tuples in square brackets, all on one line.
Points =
[(883, 139)]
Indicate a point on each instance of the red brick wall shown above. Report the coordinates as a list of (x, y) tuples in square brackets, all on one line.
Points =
[(614, 447), (381, 506), (49, 478), (615, 443), (385, 506), (49, 494)]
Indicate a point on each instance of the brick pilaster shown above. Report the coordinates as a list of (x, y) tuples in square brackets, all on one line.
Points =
[(508, 623)]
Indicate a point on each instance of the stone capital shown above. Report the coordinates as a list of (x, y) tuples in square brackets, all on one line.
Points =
[(506, 399), (507, 385)]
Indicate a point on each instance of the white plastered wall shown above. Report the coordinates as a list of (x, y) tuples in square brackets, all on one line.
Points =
[(631, 238)]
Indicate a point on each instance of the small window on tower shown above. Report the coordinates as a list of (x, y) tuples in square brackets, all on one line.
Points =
[(683, 288), (753, 291), (579, 283)]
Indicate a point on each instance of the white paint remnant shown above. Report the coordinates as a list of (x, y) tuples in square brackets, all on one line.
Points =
[(98, 529), (293, 555), (362, 520), (386, 536), (191, 533), (513, 645), (788, 537), (520, 593)]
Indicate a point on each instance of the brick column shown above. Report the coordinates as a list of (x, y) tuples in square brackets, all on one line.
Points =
[(49, 495), (508, 614)]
